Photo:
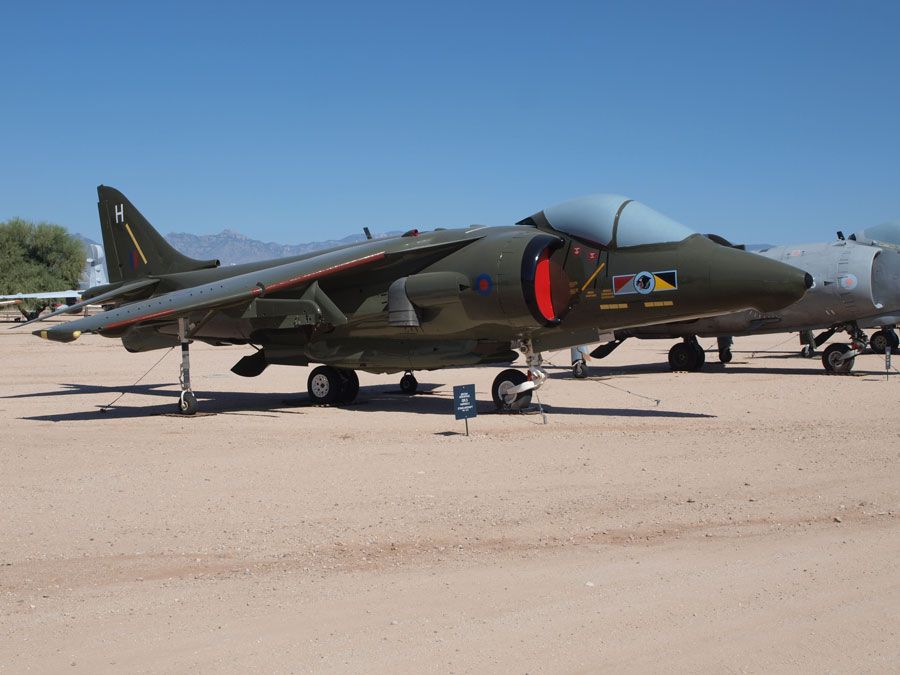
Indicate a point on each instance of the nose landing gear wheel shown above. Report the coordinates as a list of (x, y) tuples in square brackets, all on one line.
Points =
[(187, 403), (505, 381), (409, 384), (834, 361), (324, 385), (580, 369)]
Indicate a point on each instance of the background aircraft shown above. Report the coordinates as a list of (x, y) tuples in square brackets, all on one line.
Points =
[(425, 300), (94, 274), (857, 285)]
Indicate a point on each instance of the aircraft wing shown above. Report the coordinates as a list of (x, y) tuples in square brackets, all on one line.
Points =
[(46, 296), (217, 295), (97, 299)]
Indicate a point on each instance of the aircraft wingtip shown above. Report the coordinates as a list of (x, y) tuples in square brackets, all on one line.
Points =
[(58, 335)]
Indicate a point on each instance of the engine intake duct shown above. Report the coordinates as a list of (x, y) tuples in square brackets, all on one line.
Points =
[(429, 289)]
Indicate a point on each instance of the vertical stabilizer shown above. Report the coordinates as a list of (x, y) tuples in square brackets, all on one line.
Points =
[(134, 249)]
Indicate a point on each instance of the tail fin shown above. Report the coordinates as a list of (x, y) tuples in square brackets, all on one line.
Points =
[(133, 248)]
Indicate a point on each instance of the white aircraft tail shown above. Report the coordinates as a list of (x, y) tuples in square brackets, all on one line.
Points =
[(95, 269)]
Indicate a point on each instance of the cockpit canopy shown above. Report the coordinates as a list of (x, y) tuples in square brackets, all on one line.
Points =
[(886, 233), (610, 221)]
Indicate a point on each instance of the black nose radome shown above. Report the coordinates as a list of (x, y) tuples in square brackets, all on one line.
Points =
[(809, 280)]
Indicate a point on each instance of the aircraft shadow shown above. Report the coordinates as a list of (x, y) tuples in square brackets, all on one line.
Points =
[(378, 398), (601, 373)]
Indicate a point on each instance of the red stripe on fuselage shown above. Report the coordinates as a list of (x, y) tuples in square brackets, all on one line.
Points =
[(288, 283)]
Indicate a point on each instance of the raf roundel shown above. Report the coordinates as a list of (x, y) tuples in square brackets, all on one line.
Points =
[(484, 284)]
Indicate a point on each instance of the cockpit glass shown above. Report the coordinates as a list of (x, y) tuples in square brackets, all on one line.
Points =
[(589, 218), (593, 219), (639, 224)]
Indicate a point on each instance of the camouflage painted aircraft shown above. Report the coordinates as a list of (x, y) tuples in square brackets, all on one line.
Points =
[(857, 286), (425, 300)]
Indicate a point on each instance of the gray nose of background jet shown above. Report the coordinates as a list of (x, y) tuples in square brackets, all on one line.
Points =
[(767, 285)]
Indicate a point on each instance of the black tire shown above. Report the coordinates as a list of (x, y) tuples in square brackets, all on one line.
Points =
[(580, 369), (878, 342), (187, 403), (807, 352), (893, 339), (725, 356), (701, 355), (409, 384), (506, 379), (832, 361), (883, 339), (349, 386), (686, 356), (324, 385)]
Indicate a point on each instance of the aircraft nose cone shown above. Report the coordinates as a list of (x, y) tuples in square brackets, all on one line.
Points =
[(763, 284)]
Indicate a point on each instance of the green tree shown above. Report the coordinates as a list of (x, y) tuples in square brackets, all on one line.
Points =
[(38, 257)]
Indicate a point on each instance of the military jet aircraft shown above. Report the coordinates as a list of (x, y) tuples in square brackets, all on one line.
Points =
[(425, 300), (857, 286)]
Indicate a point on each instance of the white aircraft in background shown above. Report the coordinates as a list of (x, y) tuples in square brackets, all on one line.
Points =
[(94, 274)]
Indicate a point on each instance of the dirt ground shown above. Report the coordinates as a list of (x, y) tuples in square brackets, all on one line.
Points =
[(741, 519)]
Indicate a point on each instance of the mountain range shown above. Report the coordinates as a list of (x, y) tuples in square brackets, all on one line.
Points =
[(232, 248)]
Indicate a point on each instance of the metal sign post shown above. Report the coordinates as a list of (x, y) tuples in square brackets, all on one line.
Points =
[(464, 403)]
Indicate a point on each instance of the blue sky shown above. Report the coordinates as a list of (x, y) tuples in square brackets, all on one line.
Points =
[(297, 121)]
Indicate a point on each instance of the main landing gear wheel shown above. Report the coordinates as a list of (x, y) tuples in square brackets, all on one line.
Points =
[(409, 384), (687, 356), (187, 403), (580, 369), (834, 361), (325, 385), (505, 381), (807, 351), (349, 385), (881, 340)]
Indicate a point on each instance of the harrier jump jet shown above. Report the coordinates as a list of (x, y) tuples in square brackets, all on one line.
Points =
[(425, 300)]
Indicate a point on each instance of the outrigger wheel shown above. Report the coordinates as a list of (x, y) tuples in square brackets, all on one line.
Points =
[(505, 381), (408, 383), (187, 403), (580, 369)]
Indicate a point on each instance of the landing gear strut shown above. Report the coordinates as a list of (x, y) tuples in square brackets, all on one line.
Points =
[(512, 389), (187, 402), (687, 355)]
